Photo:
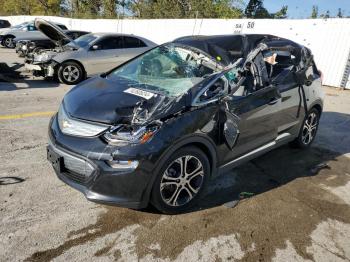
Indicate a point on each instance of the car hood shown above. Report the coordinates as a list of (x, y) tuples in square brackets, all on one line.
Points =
[(52, 31), (118, 102)]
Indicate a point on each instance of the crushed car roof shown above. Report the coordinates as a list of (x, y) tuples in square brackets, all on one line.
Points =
[(229, 48)]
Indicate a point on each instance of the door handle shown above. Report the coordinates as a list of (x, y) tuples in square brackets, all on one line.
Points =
[(273, 101)]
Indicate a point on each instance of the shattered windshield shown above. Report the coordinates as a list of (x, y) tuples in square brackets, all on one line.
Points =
[(169, 69), (84, 40)]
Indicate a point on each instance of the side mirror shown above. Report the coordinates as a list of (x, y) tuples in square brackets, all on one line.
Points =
[(304, 78), (217, 89), (213, 92)]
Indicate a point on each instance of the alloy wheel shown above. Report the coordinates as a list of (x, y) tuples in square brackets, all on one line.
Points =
[(182, 180), (71, 73), (9, 42), (309, 128)]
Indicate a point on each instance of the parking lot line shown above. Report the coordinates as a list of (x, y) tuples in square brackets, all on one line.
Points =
[(33, 114)]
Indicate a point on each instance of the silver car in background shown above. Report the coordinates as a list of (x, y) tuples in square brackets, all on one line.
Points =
[(24, 30), (85, 56)]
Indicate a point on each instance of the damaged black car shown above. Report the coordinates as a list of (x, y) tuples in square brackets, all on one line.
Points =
[(159, 127)]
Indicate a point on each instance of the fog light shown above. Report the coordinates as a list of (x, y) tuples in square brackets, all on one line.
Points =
[(127, 165)]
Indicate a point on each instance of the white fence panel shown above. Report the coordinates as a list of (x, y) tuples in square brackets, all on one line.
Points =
[(328, 39)]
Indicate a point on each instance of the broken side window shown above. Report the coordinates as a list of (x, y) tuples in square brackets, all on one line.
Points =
[(278, 63), (219, 87)]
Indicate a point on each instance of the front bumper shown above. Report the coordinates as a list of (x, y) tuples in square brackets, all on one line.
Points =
[(90, 174), (45, 70)]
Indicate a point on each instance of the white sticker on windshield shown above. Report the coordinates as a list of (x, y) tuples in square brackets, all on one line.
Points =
[(139, 92)]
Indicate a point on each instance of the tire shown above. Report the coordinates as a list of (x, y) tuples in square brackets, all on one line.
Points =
[(8, 42), (70, 73), (173, 191), (308, 129), (37, 49)]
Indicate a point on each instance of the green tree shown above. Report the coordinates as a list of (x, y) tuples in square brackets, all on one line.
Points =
[(326, 15), (109, 8), (256, 9), (30, 7), (340, 13), (186, 8), (281, 14), (314, 13), (253, 8), (49, 7)]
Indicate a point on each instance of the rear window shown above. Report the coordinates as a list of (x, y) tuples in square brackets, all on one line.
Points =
[(75, 35), (133, 42), (111, 43), (4, 23), (63, 27)]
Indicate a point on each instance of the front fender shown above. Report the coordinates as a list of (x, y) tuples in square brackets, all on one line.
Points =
[(66, 55)]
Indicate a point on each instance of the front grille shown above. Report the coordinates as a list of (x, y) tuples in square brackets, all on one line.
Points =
[(77, 165), (78, 178), (77, 169)]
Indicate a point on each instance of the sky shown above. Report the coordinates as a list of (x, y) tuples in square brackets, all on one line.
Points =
[(302, 8)]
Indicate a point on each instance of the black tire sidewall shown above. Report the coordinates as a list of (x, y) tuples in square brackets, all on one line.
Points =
[(156, 199), (60, 73), (36, 49), (4, 42), (298, 141)]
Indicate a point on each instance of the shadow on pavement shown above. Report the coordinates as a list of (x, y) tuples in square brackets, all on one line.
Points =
[(12, 79), (281, 165), (274, 169), (333, 133)]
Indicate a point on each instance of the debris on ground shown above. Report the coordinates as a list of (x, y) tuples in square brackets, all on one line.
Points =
[(318, 167), (243, 195)]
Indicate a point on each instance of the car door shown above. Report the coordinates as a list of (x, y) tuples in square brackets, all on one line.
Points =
[(104, 55), (133, 46), (292, 108), (250, 121), (251, 112)]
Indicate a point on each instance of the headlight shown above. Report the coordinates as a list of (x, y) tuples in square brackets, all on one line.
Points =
[(74, 127), (123, 135), (43, 57), (24, 47)]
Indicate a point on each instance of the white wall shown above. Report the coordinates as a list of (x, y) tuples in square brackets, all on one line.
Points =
[(328, 39)]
